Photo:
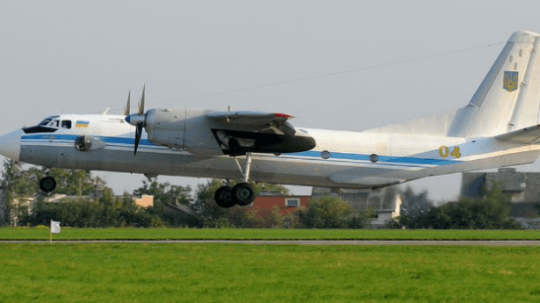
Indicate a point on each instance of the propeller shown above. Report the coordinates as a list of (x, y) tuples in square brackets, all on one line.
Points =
[(138, 120), (141, 103), (127, 109), (138, 133)]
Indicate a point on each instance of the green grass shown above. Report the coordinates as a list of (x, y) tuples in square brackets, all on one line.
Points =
[(263, 234), (266, 273)]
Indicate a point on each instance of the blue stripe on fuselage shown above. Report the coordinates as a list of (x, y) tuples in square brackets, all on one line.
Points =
[(112, 140), (381, 159), (411, 161)]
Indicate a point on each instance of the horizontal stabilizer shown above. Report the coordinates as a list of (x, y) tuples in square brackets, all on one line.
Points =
[(527, 135)]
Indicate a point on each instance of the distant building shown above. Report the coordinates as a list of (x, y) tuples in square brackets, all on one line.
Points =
[(522, 188), (144, 201), (385, 202), (287, 204)]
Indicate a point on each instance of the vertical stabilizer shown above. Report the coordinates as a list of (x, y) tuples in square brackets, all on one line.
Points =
[(508, 98)]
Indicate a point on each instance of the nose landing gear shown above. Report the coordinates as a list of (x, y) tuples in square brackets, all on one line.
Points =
[(242, 193), (47, 184)]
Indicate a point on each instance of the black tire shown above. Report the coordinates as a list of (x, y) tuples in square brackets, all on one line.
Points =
[(243, 193), (47, 184), (224, 198)]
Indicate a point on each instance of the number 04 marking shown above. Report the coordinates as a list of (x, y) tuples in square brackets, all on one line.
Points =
[(444, 152)]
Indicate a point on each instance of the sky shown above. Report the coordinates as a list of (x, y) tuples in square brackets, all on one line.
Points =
[(339, 64)]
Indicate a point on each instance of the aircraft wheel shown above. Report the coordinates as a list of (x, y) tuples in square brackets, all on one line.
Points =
[(47, 184), (224, 198), (243, 193)]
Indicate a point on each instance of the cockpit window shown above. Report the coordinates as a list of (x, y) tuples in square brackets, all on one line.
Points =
[(66, 124), (45, 122), (53, 123), (48, 125)]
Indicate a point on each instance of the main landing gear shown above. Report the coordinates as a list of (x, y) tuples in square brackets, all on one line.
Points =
[(241, 194)]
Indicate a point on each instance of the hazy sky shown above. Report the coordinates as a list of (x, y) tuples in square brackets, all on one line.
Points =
[(82, 57)]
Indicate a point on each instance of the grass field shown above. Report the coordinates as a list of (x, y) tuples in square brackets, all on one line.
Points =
[(256, 234), (266, 273)]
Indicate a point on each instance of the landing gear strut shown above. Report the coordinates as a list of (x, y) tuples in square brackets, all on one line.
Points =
[(241, 193), (47, 184)]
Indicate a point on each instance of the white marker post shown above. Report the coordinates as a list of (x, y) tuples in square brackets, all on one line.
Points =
[(55, 229)]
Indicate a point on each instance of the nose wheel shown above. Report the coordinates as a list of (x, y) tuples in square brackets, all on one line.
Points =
[(47, 184), (241, 194)]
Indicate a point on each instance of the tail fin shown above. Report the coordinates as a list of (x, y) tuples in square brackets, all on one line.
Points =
[(508, 98)]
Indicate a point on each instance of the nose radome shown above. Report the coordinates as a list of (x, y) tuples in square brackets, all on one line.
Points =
[(10, 145)]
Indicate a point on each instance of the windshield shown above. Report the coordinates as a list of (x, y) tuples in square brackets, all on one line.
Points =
[(45, 122)]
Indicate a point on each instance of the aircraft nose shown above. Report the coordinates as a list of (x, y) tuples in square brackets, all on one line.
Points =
[(10, 145)]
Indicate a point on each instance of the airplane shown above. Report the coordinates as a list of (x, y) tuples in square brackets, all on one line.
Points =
[(500, 126)]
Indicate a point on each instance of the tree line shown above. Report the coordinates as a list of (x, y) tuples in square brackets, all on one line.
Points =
[(491, 211), (97, 206)]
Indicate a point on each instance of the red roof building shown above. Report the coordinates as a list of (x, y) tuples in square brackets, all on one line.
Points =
[(286, 204)]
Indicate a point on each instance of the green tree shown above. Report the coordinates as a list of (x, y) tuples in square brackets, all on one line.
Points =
[(414, 207), (488, 212), (164, 192), (68, 181), (15, 185), (204, 206), (331, 212), (167, 193), (276, 218)]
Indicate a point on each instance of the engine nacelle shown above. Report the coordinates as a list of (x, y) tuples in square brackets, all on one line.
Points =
[(184, 129)]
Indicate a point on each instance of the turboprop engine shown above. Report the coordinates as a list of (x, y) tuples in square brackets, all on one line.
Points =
[(214, 133), (184, 129)]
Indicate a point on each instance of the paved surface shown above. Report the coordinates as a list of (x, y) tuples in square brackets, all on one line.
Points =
[(303, 242)]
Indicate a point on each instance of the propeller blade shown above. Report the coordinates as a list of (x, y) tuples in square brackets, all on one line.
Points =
[(141, 103), (127, 109), (138, 133)]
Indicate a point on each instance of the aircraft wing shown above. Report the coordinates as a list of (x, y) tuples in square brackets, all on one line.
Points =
[(254, 121), (527, 135)]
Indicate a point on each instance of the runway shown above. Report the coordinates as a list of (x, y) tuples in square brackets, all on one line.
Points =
[(508, 243)]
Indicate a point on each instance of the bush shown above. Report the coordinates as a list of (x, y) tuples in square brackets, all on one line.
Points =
[(489, 212), (330, 212)]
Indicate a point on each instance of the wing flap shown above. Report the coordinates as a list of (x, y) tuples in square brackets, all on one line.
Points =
[(527, 135)]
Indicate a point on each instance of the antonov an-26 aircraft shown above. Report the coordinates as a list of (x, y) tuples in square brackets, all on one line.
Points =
[(499, 127)]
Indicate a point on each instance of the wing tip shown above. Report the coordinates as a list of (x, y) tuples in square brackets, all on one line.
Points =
[(282, 115)]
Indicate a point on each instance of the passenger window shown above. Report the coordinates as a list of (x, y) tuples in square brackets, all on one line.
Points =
[(66, 124)]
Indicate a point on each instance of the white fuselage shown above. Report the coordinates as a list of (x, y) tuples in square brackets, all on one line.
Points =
[(341, 159)]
